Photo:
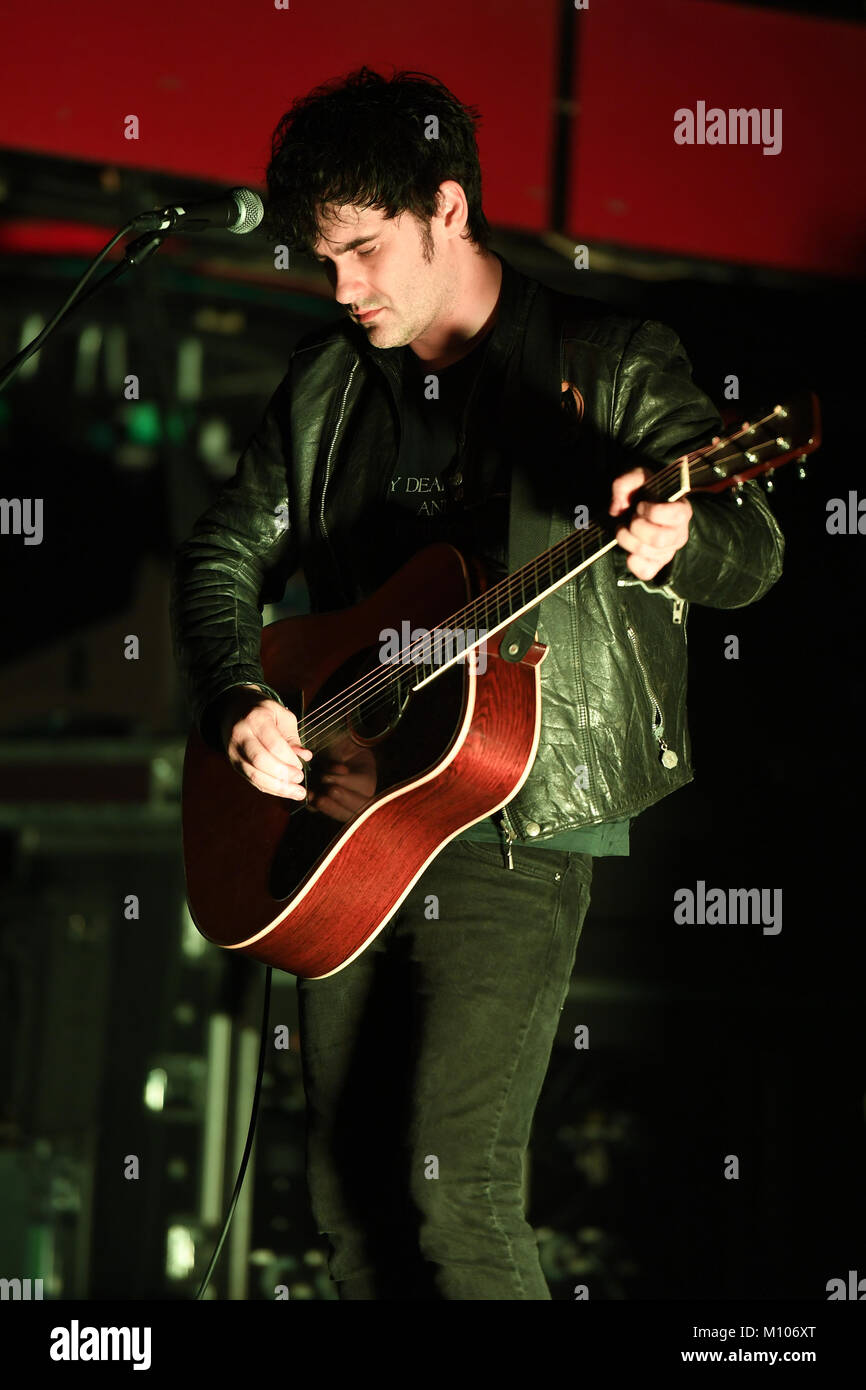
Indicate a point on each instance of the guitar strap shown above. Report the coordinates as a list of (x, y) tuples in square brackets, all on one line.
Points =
[(532, 414)]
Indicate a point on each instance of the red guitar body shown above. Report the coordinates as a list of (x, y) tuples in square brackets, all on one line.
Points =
[(298, 890)]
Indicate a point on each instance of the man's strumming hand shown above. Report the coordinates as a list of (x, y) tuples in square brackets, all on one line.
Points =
[(261, 741)]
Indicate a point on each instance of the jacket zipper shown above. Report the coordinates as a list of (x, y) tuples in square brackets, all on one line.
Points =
[(668, 757), (327, 476), (458, 486), (506, 830)]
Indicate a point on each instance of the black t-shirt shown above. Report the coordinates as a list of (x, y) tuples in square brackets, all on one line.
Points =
[(427, 493), (433, 407)]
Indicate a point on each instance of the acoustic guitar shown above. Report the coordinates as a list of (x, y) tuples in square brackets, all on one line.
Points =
[(413, 686)]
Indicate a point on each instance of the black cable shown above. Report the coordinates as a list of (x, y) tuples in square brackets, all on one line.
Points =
[(250, 1133)]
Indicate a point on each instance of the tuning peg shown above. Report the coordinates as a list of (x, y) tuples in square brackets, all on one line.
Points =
[(801, 466), (769, 485), (738, 494)]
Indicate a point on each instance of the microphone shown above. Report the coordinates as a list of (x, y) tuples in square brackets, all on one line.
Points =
[(239, 211)]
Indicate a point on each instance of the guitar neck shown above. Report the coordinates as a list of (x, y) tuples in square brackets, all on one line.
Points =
[(542, 576), (499, 606), (729, 461)]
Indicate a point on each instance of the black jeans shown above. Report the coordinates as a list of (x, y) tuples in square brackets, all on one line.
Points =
[(423, 1062)]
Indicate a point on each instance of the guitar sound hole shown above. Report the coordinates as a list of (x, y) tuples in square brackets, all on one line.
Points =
[(385, 743), (386, 694)]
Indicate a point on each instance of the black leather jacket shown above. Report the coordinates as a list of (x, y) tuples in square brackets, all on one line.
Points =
[(614, 737)]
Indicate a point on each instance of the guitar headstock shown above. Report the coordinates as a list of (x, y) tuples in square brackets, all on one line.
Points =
[(787, 431)]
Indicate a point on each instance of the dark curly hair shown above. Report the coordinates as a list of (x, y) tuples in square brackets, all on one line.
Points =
[(363, 139)]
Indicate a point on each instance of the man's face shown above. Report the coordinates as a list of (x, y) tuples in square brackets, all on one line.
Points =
[(389, 265)]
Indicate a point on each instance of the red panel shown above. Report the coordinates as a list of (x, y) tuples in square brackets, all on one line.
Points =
[(210, 81), (631, 183)]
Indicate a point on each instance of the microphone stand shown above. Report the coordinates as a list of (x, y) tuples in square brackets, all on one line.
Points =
[(134, 255)]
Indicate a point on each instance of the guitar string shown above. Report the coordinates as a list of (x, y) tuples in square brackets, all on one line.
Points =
[(329, 715), (507, 588), (334, 712), (333, 709)]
